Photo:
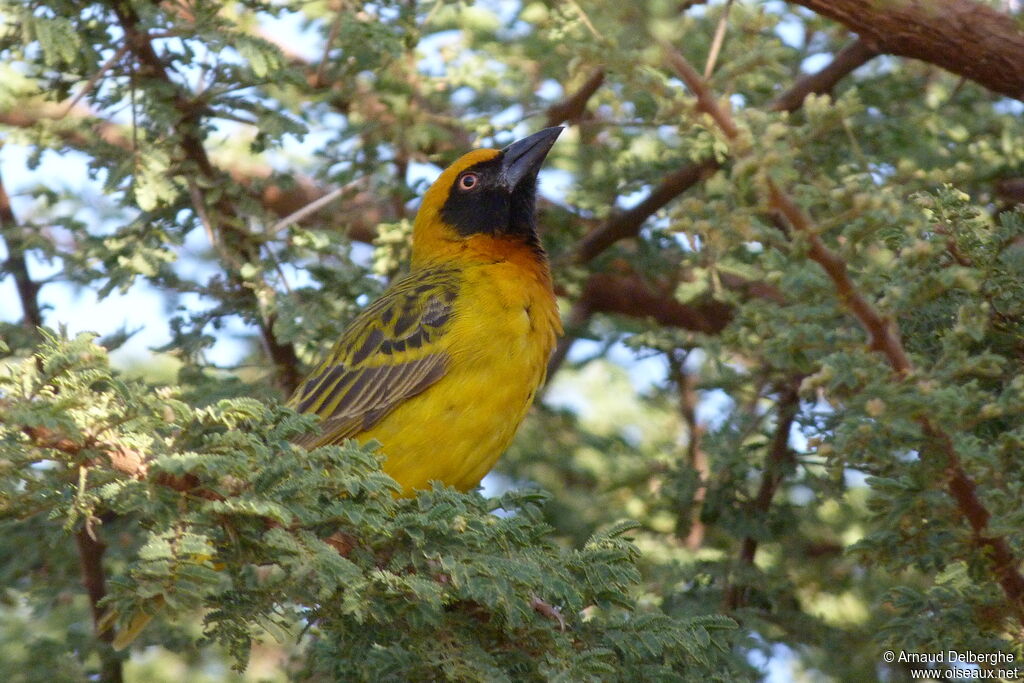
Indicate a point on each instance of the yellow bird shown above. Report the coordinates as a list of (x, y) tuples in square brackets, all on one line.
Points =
[(443, 367)]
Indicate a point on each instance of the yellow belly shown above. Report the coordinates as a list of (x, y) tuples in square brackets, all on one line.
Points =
[(504, 327)]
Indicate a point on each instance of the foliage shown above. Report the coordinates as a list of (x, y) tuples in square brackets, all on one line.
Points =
[(781, 474), (227, 515)]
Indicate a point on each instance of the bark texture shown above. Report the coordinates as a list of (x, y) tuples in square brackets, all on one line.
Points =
[(962, 36)]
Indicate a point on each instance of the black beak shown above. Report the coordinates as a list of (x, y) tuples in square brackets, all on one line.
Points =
[(523, 158)]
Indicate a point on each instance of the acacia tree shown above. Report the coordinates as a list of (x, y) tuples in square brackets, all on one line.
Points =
[(805, 214)]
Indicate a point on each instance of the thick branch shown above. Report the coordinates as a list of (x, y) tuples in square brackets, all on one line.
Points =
[(17, 265), (780, 458), (571, 109), (628, 223), (622, 291), (854, 55), (689, 527), (90, 555), (90, 551), (628, 294), (966, 37)]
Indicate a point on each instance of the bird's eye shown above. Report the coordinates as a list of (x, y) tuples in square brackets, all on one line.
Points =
[(468, 181)]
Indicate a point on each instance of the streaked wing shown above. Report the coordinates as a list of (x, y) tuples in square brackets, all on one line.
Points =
[(387, 355)]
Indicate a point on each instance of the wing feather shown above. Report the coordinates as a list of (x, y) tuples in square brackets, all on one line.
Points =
[(388, 354)]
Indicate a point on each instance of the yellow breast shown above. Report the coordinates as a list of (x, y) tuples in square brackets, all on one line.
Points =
[(504, 326)]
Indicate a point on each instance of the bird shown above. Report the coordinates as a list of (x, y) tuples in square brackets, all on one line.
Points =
[(442, 368)]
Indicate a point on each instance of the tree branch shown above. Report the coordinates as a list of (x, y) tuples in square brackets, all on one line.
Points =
[(779, 460), (882, 332), (628, 294), (963, 36), (706, 101), (851, 57), (90, 555), (627, 223), (718, 40), (364, 212), (122, 459), (348, 96), (17, 265), (688, 520), (30, 113), (572, 108)]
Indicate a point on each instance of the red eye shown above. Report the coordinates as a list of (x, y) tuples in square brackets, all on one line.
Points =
[(468, 181)]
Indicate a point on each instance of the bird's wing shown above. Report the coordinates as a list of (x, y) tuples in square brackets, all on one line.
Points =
[(387, 355)]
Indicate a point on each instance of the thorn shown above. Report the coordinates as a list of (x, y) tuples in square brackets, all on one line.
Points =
[(548, 610)]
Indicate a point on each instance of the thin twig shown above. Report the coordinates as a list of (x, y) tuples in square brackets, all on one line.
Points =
[(952, 248), (705, 99), (199, 205), (318, 77), (313, 206), (549, 611), (280, 270), (91, 83), (885, 338), (882, 333), (281, 354), (716, 42), (586, 20), (622, 225)]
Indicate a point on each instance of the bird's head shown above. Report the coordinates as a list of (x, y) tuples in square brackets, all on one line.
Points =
[(488, 196)]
